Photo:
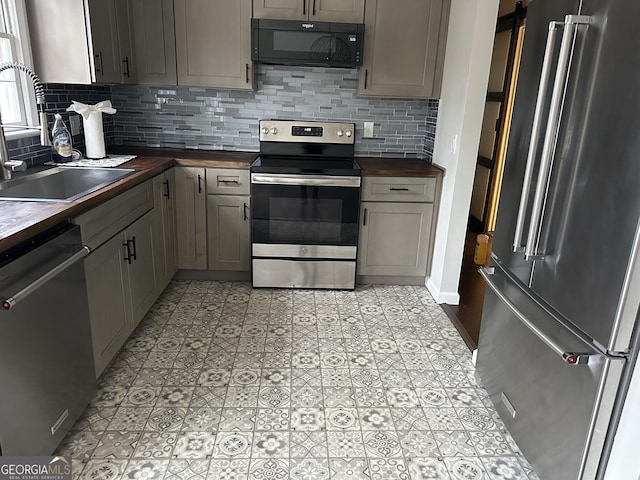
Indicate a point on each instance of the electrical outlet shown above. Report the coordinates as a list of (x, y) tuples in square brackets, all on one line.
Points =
[(74, 121), (368, 130)]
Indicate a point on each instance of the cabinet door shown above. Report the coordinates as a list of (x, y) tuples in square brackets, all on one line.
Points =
[(404, 48), (108, 293), (281, 9), (155, 42), (104, 36), (394, 238), (213, 43), (228, 228), (191, 221), (165, 253), (125, 42), (349, 11), (141, 269)]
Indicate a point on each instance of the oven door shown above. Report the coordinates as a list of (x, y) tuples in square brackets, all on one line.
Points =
[(304, 215)]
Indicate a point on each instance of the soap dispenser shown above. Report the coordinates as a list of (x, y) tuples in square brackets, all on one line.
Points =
[(61, 137)]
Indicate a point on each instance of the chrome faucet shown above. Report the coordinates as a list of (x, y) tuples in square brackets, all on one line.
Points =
[(5, 170)]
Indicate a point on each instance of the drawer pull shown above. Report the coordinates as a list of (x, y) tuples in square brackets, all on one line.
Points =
[(232, 182), (395, 189)]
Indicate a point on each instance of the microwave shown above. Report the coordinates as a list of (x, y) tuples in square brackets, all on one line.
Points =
[(293, 42)]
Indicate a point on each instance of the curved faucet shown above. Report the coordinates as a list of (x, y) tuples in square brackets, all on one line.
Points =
[(5, 171)]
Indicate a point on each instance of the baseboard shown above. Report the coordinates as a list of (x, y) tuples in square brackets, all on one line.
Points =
[(388, 280), (228, 276), (450, 298)]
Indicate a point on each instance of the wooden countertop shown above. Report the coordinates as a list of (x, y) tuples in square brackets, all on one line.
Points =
[(19, 221), (398, 167)]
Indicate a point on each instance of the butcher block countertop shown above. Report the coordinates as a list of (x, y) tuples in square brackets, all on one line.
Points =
[(19, 221), (398, 167)]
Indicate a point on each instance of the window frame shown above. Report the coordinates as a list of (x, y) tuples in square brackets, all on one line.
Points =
[(16, 17)]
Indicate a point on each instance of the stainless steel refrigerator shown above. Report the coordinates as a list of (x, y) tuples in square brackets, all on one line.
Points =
[(559, 325)]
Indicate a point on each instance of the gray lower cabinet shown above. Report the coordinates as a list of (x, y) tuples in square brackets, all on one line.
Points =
[(213, 43), (108, 292), (396, 227), (191, 218), (228, 219), (165, 246), (404, 48), (121, 287), (228, 232), (394, 238)]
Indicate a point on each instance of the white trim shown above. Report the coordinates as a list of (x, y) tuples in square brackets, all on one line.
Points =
[(450, 298)]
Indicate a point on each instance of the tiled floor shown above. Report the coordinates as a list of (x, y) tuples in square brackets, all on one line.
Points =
[(221, 381)]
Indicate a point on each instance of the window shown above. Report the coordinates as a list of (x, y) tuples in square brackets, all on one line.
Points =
[(17, 101)]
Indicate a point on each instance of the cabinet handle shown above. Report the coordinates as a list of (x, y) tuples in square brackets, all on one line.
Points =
[(244, 211), (366, 78), (233, 182), (247, 72), (129, 255), (133, 242), (314, 8), (304, 7), (396, 189), (199, 183), (364, 218), (126, 64), (166, 193), (98, 58)]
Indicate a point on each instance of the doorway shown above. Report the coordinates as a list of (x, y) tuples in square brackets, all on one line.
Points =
[(503, 77)]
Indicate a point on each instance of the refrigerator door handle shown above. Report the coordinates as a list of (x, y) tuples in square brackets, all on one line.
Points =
[(570, 358), (548, 148), (538, 121)]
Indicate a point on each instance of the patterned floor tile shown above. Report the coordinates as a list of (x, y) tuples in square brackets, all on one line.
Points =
[(183, 469), (224, 382), (146, 470), (349, 469), (153, 445), (309, 469), (193, 445), (116, 445)]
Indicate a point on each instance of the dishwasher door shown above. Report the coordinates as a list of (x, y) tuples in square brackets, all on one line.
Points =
[(46, 361)]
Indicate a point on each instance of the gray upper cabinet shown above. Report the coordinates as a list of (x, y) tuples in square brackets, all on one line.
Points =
[(404, 48), (155, 42), (213, 43), (95, 45), (350, 11)]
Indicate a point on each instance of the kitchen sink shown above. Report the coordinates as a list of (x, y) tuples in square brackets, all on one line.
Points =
[(60, 184)]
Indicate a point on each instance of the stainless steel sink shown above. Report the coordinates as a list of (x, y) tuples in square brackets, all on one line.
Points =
[(61, 184)]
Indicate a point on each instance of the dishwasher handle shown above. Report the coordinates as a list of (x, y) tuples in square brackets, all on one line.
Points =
[(11, 301)]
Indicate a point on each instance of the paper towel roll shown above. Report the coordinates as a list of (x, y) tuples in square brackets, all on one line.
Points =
[(94, 135)]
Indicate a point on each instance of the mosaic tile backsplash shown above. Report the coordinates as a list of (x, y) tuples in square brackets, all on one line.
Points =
[(209, 119), (200, 118)]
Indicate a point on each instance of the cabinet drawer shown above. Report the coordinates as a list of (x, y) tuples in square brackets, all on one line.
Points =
[(398, 189), (227, 181), (103, 222)]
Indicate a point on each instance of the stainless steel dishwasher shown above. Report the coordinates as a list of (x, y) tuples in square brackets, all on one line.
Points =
[(46, 360)]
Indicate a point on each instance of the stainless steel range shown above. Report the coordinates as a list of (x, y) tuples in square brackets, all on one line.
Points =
[(305, 191)]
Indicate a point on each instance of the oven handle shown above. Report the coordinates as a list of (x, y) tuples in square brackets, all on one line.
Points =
[(311, 180)]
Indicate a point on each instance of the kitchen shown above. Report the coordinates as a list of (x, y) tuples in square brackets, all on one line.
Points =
[(238, 113)]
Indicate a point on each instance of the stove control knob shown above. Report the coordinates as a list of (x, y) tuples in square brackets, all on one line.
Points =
[(274, 130), (264, 130), (340, 133), (349, 133)]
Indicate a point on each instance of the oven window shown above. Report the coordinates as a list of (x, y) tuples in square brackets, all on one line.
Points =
[(304, 215), (305, 220)]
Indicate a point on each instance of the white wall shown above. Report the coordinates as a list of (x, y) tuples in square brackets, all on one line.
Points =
[(464, 89)]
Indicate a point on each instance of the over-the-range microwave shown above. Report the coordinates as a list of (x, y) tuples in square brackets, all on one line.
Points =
[(292, 42)]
